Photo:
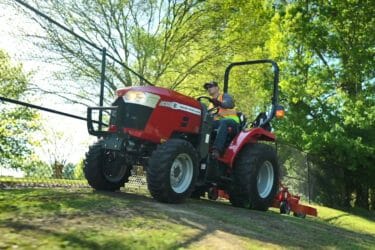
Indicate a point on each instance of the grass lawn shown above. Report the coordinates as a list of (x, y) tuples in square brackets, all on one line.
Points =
[(57, 218), (39, 181)]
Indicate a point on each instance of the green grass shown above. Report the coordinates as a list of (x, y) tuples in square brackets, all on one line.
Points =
[(84, 219), (40, 180), (355, 220)]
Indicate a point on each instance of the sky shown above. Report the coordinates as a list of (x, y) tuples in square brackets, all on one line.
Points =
[(73, 139)]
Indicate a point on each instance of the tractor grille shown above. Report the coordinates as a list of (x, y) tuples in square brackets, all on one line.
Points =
[(129, 115)]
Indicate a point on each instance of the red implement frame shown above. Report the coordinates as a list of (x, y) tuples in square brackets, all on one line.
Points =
[(288, 202), (284, 200)]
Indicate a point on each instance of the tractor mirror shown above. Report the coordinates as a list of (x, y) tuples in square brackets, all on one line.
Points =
[(280, 112)]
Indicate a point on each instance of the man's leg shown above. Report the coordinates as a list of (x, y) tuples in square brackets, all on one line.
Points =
[(222, 133), (216, 124), (213, 170)]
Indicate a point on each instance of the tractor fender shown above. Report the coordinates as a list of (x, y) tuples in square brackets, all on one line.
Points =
[(244, 137)]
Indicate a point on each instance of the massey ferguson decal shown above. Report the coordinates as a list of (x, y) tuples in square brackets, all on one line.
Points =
[(180, 106)]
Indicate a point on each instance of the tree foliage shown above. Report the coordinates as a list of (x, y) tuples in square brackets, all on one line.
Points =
[(166, 41), (328, 64), (176, 44), (16, 123)]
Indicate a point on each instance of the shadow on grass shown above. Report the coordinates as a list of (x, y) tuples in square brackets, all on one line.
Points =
[(75, 240), (336, 217), (204, 217), (268, 227), (360, 212)]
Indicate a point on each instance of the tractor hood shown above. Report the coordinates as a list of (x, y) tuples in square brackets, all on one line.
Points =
[(152, 96)]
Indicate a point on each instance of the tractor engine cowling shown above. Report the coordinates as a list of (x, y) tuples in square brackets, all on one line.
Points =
[(154, 114)]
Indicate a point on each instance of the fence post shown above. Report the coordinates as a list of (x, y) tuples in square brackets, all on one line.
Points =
[(102, 80)]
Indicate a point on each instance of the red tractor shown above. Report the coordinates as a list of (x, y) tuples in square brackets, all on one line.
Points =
[(170, 135)]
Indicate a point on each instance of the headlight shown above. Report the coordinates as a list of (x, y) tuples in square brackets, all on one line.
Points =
[(134, 96), (141, 98)]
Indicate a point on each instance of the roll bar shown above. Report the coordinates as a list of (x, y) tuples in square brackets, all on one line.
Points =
[(275, 97)]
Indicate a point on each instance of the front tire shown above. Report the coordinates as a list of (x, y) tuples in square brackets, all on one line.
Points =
[(104, 169), (256, 177), (172, 171)]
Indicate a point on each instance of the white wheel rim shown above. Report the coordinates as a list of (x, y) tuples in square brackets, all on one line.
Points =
[(265, 179), (181, 173)]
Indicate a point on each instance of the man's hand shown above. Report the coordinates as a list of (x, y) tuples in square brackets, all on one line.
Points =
[(215, 102)]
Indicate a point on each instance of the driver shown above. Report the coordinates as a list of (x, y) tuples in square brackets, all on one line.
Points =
[(225, 117)]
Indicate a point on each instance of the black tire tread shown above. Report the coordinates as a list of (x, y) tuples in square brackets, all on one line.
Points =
[(93, 170), (158, 171), (244, 192)]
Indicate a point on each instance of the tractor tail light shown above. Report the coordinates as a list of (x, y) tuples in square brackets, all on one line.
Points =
[(280, 112)]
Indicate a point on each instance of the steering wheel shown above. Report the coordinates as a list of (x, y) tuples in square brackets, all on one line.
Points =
[(213, 110)]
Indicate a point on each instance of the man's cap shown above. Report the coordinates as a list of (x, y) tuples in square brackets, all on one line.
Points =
[(208, 85)]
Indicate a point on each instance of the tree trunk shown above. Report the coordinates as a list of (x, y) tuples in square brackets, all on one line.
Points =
[(362, 196), (348, 196), (58, 170), (372, 196), (349, 188)]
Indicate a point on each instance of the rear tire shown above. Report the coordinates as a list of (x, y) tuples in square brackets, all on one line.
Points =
[(105, 170), (172, 171), (256, 177)]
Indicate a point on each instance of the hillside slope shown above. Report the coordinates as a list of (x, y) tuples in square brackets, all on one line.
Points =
[(84, 219)]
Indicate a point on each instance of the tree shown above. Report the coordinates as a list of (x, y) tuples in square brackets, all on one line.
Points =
[(58, 148), (327, 49), (176, 44), (166, 41), (241, 28), (78, 170), (16, 123)]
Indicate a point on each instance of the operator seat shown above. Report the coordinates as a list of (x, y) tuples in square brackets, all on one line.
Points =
[(242, 125), (243, 120), (232, 132)]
